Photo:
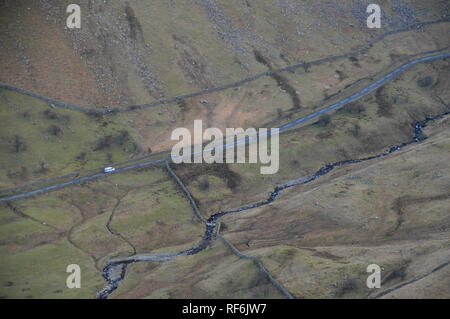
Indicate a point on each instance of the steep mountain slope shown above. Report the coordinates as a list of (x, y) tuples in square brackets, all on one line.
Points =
[(316, 239)]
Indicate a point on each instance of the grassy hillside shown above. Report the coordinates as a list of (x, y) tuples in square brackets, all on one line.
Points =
[(139, 51), (316, 239), (84, 225), (365, 127), (38, 140), (391, 212)]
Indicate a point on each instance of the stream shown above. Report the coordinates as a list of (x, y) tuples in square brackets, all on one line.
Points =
[(114, 271)]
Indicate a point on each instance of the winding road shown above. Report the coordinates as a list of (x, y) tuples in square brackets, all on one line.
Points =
[(177, 98), (115, 270), (364, 91)]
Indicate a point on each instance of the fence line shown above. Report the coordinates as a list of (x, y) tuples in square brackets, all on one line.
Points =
[(234, 249), (186, 192), (177, 98), (260, 266)]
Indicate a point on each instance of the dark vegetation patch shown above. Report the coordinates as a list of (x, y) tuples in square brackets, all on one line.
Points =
[(261, 59), (133, 22), (120, 139), (425, 81), (189, 172), (96, 116), (81, 157), (279, 113), (327, 255), (397, 273), (49, 114), (282, 81), (54, 130), (103, 142), (204, 184), (42, 169), (286, 60), (88, 52), (352, 108), (19, 144), (384, 106), (19, 174), (182, 104), (346, 286), (324, 120), (341, 75), (294, 163)]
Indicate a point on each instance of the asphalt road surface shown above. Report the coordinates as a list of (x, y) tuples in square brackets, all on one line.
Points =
[(281, 128)]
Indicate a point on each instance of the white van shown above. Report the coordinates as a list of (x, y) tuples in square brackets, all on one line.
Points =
[(109, 169)]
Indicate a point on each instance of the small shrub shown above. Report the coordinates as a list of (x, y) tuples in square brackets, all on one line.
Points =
[(279, 113), (294, 163), (384, 106), (41, 169), (223, 226), (346, 286), (81, 156), (122, 138), (103, 142), (425, 81), (54, 130), (353, 108), (204, 184), (324, 120), (398, 272), (50, 114), (19, 144)]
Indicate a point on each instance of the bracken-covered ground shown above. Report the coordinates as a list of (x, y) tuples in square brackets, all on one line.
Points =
[(316, 239)]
